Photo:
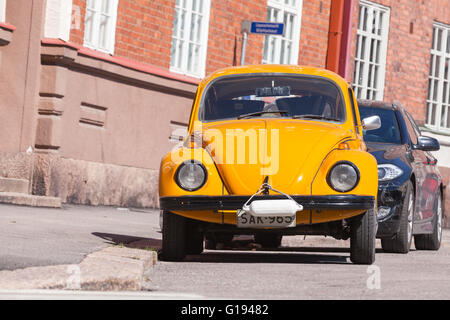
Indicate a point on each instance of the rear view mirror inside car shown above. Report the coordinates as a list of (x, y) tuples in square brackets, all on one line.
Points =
[(273, 91)]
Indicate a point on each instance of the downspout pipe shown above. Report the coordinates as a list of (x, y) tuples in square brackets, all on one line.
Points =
[(335, 35)]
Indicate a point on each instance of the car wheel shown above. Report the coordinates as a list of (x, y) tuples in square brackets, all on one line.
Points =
[(268, 240), (362, 238), (401, 242), (173, 237), (194, 238), (432, 241)]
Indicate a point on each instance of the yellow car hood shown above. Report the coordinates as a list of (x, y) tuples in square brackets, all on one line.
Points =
[(288, 151)]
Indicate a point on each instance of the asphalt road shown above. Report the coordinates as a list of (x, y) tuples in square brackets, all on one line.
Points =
[(311, 269), (315, 268)]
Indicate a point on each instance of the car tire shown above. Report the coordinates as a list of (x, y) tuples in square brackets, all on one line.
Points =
[(432, 241), (401, 242), (173, 237), (194, 238), (268, 240), (362, 238)]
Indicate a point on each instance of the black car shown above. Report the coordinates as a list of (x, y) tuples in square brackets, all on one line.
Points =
[(410, 185)]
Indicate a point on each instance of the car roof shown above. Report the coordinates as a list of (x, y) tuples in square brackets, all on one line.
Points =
[(377, 104)]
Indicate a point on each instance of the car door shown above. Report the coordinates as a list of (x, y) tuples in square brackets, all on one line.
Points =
[(430, 183), (418, 163)]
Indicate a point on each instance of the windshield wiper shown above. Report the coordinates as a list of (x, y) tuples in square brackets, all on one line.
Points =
[(260, 113), (314, 116)]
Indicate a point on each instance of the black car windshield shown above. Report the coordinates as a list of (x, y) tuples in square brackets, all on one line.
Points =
[(280, 96), (389, 132)]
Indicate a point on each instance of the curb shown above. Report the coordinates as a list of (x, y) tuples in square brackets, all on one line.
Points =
[(111, 269), (25, 199)]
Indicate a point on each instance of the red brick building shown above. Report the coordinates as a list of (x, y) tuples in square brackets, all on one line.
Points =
[(100, 89)]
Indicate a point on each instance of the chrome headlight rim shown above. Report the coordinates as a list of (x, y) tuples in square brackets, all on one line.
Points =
[(398, 172), (177, 179), (358, 176)]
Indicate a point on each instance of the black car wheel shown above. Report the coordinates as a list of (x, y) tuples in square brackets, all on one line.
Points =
[(362, 238), (173, 237), (268, 240), (432, 241), (401, 242)]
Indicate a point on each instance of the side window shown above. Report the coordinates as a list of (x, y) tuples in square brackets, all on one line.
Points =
[(414, 124), (409, 126), (352, 101)]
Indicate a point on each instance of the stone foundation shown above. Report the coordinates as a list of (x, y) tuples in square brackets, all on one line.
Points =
[(92, 183)]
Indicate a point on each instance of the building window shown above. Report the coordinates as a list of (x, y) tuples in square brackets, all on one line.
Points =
[(100, 25), (283, 49), (190, 37), (370, 59), (438, 102), (2, 11)]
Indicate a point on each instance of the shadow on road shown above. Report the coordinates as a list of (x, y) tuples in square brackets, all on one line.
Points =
[(130, 241), (266, 257), (242, 252)]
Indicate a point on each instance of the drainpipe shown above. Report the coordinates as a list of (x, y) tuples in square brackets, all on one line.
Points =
[(335, 35)]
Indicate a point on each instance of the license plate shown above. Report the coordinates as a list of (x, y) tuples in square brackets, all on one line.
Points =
[(246, 220)]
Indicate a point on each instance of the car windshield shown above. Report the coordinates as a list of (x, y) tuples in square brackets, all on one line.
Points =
[(279, 96), (389, 131)]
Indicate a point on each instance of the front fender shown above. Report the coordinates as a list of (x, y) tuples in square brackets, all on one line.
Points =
[(364, 161), (170, 164)]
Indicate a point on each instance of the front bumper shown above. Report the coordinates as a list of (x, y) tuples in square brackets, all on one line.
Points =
[(232, 202), (391, 199)]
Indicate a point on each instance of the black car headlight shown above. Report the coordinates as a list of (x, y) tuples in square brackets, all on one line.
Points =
[(343, 176), (191, 175), (388, 172)]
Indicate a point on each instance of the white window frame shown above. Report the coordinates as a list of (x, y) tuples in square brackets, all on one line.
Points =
[(438, 99), (2, 11), (110, 31), (182, 38), (274, 45), (58, 16), (372, 38)]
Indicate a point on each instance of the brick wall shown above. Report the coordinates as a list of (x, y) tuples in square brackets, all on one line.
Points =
[(314, 33), (77, 25), (143, 30), (408, 55), (225, 37)]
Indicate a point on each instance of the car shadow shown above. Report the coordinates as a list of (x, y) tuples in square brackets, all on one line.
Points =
[(241, 253), (130, 241), (274, 256)]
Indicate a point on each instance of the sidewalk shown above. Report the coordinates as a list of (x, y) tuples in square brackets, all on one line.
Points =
[(76, 247)]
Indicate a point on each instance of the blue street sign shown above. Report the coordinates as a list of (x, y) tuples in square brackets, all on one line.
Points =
[(267, 28)]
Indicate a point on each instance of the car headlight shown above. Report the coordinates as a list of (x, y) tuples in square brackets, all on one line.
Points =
[(343, 177), (388, 172), (191, 175)]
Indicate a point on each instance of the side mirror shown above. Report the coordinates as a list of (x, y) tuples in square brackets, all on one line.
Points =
[(427, 144), (371, 123)]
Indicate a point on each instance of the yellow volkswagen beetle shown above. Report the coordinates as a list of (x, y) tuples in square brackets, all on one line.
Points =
[(272, 150)]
